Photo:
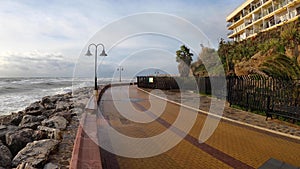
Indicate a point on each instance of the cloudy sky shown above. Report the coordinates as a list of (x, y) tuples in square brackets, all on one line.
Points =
[(49, 38)]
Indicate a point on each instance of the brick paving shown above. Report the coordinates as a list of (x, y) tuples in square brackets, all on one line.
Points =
[(232, 145), (235, 114)]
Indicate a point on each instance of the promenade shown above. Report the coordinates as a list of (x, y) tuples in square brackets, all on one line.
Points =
[(232, 145)]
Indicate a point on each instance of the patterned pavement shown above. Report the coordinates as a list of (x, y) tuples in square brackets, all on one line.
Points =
[(232, 145)]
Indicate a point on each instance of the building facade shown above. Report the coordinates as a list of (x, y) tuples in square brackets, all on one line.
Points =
[(255, 16)]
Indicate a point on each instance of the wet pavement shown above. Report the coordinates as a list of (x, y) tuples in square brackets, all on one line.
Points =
[(240, 139)]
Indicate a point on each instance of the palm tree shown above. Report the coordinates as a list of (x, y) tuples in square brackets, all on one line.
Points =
[(291, 37), (281, 66), (184, 58)]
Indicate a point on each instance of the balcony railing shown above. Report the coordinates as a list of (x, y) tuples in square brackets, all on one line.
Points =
[(248, 23), (229, 33), (264, 1), (229, 24)]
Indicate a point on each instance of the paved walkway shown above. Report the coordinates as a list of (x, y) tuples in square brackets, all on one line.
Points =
[(232, 145), (235, 114)]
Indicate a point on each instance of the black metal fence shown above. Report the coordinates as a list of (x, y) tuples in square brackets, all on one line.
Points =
[(278, 97)]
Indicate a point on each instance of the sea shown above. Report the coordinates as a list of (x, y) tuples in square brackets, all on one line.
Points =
[(18, 93)]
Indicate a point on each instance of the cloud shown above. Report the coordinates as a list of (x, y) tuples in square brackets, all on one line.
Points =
[(34, 63), (55, 32)]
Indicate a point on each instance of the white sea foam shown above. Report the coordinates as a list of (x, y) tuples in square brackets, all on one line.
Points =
[(17, 93)]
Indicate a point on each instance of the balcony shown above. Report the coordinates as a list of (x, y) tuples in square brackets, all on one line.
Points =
[(249, 32), (256, 30), (264, 1), (267, 11), (248, 22), (229, 24), (257, 17), (229, 33)]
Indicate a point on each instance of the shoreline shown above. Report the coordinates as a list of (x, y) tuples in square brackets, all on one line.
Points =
[(48, 125)]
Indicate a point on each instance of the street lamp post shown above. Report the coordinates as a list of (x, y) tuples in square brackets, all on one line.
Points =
[(88, 53), (120, 68)]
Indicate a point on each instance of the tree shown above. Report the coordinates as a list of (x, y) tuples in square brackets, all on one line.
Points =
[(291, 37), (184, 58), (281, 66)]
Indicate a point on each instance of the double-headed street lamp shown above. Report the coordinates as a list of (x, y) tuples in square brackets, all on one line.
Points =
[(120, 68), (88, 53)]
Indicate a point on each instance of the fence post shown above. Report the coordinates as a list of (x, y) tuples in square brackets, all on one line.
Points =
[(268, 110)]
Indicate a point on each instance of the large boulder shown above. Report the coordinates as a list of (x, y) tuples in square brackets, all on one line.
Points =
[(51, 133), (5, 129), (35, 153), (35, 112), (34, 106), (31, 119), (33, 125), (48, 113), (57, 122), (5, 156), (49, 102), (18, 139), (66, 114), (62, 106), (39, 135), (16, 118)]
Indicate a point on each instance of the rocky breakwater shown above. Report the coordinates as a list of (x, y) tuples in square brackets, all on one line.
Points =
[(42, 135)]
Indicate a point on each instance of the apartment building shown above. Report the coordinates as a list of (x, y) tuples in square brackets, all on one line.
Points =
[(255, 16)]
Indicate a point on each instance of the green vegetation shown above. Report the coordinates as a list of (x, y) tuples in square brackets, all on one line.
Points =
[(273, 53), (281, 66), (280, 46), (184, 58), (207, 61)]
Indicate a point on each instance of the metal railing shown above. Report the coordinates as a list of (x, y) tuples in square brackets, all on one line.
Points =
[(277, 97)]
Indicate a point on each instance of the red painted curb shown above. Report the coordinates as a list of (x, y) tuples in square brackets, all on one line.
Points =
[(77, 144), (88, 156)]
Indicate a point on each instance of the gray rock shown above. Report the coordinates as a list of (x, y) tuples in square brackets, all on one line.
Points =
[(16, 118), (34, 106), (25, 166), (55, 122), (5, 156), (31, 119), (62, 105), (51, 166), (18, 139), (39, 135), (49, 102), (66, 114), (50, 99), (35, 153), (34, 112), (33, 125), (51, 132), (5, 129), (48, 113), (28, 119)]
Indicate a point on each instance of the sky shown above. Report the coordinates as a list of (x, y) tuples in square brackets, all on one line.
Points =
[(49, 38)]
